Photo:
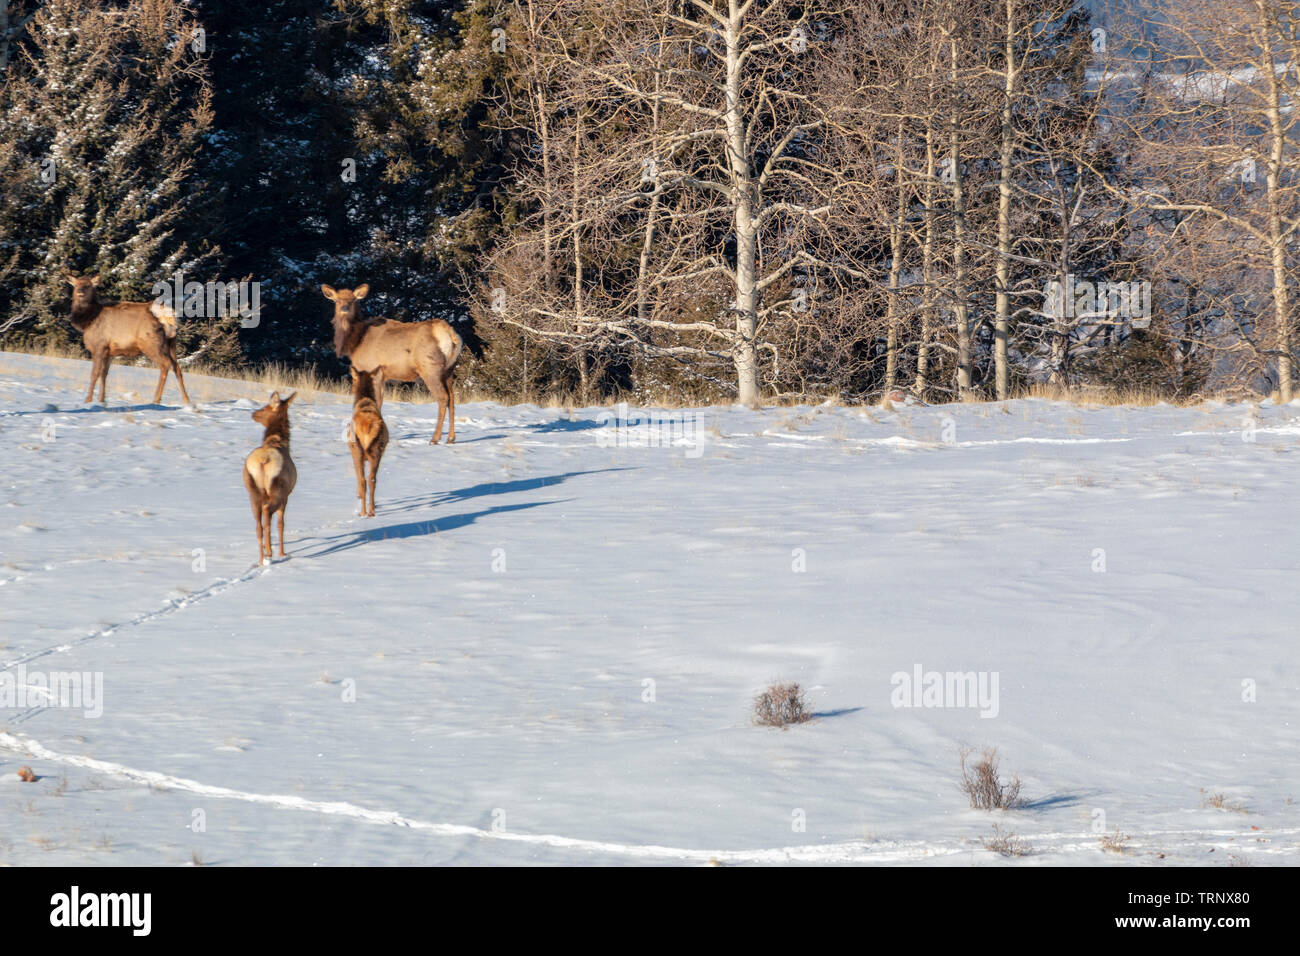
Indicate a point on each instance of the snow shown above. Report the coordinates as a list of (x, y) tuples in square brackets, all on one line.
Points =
[(463, 679)]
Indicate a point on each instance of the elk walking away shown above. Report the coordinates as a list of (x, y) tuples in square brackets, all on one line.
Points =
[(367, 434), (269, 473)]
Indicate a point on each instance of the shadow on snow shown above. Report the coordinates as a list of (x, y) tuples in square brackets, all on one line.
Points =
[(416, 502), (411, 529)]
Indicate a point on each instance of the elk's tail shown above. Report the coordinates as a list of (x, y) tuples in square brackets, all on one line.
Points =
[(366, 423), (448, 342), (166, 317), (264, 466)]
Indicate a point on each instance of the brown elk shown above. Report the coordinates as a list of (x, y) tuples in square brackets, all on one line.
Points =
[(367, 435), (404, 351), (269, 472), (124, 329)]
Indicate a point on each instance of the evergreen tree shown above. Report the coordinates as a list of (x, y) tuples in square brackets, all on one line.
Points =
[(351, 146), (100, 118)]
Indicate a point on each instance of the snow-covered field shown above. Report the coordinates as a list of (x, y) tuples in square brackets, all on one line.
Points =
[(545, 646)]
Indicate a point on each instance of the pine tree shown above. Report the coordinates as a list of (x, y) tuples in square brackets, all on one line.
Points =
[(100, 117), (351, 147)]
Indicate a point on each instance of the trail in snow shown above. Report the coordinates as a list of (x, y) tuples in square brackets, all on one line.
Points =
[(859, 851)]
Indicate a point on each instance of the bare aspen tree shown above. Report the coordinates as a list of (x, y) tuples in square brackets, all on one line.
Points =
[(714, 95), (956, 177), (738, 199), (1216, 149), (929, 200), (1011, 70), (1026, 74), (870, 91)]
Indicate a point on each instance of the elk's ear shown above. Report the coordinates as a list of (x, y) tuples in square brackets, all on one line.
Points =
[(69, 278), (362, 290), (289, 398), (274, 399), (327, 291), (352, 369), (94, 280), (379, 380)]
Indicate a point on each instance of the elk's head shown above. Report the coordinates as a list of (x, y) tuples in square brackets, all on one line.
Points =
[(367, 384), (83, 290), (347, 313), (275, 413)]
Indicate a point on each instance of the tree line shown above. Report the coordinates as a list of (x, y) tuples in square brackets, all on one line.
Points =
[(702, 200)]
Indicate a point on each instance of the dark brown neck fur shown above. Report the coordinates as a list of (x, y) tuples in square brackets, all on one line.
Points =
[(363, 392), (345, 343), (277, 434), (84, 316)]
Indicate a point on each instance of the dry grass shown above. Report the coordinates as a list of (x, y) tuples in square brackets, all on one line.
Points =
[(1099, 397), (1217, 801), (981, 783), (312, 380), (781, 705), (1006, 843), (1115, 842)]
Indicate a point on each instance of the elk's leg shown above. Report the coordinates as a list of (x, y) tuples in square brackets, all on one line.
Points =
[(268, 543), (437, 431), (257, 516), (155, 350), (180, 379), (103, 378), (355, 447), (265, 523), (374, 474), (97, 363), (162, 380), (451, 407), (434, 382)]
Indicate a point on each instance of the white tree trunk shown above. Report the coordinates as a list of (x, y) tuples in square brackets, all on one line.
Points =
[(743, 188), (1002, 306)]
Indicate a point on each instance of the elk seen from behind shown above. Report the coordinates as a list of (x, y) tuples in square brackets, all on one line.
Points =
[(367, 435), (269, 473)]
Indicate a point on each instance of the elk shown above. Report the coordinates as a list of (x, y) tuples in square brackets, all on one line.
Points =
[(269, 472), (403, 351), (127, 329), (367, 435)]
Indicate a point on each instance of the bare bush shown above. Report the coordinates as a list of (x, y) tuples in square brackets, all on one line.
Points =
[(1006, 844), (781, 705), (1217, 801), (980, 782), (1115, 842)]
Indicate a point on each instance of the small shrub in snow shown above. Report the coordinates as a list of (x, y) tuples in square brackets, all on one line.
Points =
[(1217, 801), (779, 705), (1006, 844), (1115, 842), (980, 782)]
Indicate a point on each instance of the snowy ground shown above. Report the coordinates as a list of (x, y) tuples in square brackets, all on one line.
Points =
[(464, 678)]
